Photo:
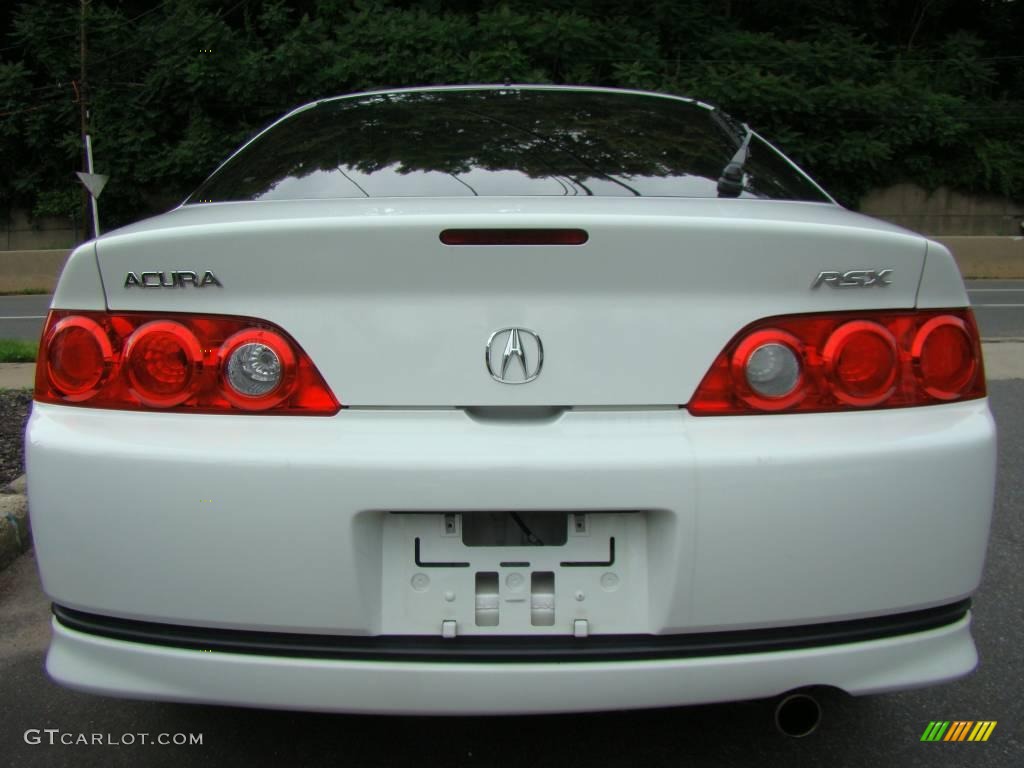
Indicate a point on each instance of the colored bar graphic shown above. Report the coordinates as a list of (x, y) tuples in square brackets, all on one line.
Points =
[(982, 730), (958, 730), (935, 730)]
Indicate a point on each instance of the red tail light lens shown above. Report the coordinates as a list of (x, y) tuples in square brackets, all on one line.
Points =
[(861, 363), (138, 361), (844, 361), (78, 357), (944, 359), (164, 363)]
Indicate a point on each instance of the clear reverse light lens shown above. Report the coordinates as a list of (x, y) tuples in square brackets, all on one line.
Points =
[(254, 369), (773, 370)]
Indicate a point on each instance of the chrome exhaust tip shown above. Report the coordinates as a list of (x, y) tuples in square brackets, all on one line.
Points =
[(797, 715)]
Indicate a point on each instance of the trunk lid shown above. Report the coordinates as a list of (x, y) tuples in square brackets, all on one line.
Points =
[(393, 317)]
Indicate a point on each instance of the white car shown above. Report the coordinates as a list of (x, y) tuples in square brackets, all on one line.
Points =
[(509, 399)]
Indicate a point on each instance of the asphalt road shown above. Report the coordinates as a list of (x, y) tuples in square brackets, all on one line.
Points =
[(998, 306), (21, 317), (874, 731)]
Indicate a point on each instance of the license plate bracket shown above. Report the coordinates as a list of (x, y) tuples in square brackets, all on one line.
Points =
[(593, 583)]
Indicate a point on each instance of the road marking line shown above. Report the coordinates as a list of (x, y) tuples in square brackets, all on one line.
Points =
[(23, 317), (994, 290)]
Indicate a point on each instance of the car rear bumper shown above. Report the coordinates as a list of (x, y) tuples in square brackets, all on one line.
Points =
[(284, 524), (98, 664)]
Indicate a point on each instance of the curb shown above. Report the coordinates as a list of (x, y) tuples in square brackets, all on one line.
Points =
[(15, 533), (17, 376)]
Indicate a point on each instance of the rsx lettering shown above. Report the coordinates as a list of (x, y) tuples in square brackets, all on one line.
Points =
[(854, 278), (173, 279)]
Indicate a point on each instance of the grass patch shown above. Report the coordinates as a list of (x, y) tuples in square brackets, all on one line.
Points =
[(26, 292), (18, 351)]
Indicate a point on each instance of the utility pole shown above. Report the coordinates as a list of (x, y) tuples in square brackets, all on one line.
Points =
[(83, 105), (94, 182)]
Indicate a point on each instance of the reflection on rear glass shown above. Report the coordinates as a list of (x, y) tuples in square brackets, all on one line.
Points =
[(495, 142)]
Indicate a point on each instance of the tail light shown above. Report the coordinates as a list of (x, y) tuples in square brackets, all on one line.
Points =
[(78, 356), (164, 363), (943, 354), (258, 369), (845, 361), (766, 369), (185, 363), (861, 362)]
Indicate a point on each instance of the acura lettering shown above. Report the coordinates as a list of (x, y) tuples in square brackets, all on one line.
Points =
[(172, 279)]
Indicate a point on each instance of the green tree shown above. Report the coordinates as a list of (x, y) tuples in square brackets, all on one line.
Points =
[(861, 92)]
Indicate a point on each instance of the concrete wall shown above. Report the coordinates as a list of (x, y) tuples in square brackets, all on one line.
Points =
[(21, 270), (19, 233), (987, 256), (944, 211)]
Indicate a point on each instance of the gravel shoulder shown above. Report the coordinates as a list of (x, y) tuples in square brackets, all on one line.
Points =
[(15, 405)]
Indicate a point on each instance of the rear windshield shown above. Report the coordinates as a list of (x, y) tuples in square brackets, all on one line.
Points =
[(500, 142)]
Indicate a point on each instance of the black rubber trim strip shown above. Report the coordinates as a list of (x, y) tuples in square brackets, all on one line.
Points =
[(518, 648)]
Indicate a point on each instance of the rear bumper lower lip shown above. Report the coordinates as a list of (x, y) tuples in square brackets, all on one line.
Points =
[(507, 649), (127, 669)]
